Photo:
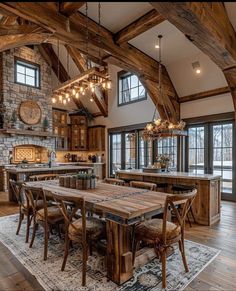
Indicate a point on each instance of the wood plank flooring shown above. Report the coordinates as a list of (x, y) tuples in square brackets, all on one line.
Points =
[(219, 275)]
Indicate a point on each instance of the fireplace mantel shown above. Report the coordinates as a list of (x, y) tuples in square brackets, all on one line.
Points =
[(13, 132)]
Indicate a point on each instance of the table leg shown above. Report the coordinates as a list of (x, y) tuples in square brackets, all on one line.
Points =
[(119, 255)]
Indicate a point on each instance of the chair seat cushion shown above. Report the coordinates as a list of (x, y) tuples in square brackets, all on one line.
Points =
[(94, 228), (54, 214), (152, 229), (39, 204)]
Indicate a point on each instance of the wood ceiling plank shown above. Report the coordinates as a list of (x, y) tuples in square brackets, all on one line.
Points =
[(140, 25)]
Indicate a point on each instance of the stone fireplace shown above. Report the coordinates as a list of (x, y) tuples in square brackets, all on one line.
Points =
[(11, 96)]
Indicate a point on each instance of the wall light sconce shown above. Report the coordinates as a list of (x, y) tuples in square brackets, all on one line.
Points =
[(196, 67)]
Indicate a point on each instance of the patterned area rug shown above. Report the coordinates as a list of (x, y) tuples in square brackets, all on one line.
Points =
[(49, 275)]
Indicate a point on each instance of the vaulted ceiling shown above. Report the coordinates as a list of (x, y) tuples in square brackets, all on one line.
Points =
[(128, 39)]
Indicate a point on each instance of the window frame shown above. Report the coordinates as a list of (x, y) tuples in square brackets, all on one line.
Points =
[(29, 65), (123, 75)]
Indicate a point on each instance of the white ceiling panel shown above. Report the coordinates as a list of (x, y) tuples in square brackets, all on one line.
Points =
[(116, 15)]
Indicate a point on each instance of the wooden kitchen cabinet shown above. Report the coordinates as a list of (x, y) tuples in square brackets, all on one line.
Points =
[(78, 133), (96, 138), (61, 129)]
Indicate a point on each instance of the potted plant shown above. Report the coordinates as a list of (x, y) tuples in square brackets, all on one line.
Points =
[(14, 119), (45, 123)]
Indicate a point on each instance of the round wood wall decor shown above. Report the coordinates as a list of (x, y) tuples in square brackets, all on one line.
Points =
[(30, 112)]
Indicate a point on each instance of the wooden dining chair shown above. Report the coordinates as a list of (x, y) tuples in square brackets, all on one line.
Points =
[(42, 177), (162, 234), (114, 181), (47, 216), (84, 230), (143, 185), (24, 207)]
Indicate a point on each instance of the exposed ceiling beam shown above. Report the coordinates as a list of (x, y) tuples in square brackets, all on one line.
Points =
[(140, 25), (69, 8), (99, 94), (77, 58), (205, 94), (207, 25), (62, 75), (19, 29), (47, 16)]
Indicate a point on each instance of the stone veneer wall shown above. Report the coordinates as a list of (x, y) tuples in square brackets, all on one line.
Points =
[(12, 94)]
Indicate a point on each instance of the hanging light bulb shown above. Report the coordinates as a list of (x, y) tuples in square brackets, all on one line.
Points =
[(81, 89), (91, 99), (77, 95), (67, 95), (91, 84), (149, 126), (83, 93), (92, 89), (60, 98), (64, 101), (104, 85), (54, 100), (157, 121), (108, 84), (68, 99), (73, 91)]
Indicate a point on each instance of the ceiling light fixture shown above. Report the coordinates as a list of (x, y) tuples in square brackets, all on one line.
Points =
[(159, 128), (196, 67), (87, 81)]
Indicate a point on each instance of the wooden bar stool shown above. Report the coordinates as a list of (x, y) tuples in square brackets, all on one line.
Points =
[(180, 189), (143, 185)]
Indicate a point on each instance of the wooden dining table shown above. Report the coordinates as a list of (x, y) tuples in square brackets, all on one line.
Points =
[(122, 207)]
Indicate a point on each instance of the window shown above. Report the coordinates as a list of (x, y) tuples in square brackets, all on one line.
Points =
[(145, 152), (211, 150), (115, 148), (196, 155), (130, 151), (223, 154), (168, 146), (130, 89), (27, 73)]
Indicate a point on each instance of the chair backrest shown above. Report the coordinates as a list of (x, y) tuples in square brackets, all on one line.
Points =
[(34, 194), (143, 185), (114, 181), (17, 190), (77, 203), (186, 200)]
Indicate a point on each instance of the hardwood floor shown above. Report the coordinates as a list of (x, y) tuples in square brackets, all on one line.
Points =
[(219, 275)]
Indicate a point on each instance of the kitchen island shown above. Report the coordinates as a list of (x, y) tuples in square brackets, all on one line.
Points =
[(23, 174), (206, 207)]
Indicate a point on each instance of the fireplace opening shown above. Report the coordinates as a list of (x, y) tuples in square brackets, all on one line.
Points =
[(29, 154)]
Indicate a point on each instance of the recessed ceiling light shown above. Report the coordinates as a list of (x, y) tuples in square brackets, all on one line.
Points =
[(157, 46), (198, 71)]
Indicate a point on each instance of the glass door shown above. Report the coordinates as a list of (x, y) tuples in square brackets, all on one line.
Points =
[(130, 150), (115, 153), (196, 159), (221, 156)]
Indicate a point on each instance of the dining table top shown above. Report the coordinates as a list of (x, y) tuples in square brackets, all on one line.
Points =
[(118, 201)]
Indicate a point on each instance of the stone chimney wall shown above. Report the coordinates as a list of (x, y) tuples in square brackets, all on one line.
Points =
[(12, 94)]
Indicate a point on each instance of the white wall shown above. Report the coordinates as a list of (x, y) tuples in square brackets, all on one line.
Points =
[(129, 114), (207, 106)]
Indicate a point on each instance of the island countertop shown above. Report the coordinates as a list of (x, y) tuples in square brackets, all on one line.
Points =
[(184, 175), (16, 170)]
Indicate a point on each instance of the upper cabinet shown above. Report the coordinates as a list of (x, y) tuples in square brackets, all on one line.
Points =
[(60, 128), (78, 133), (96, 138)]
